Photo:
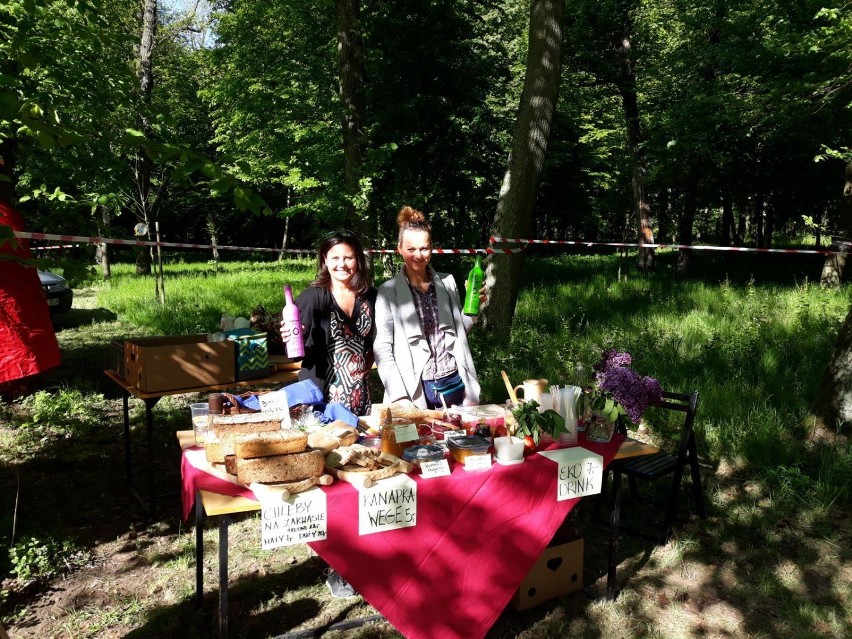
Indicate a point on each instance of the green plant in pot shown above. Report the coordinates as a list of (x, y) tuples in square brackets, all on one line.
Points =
[(533, 424)]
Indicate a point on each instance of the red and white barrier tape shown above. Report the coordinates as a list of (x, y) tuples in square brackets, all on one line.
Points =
[(97, 240), (691, 247), (105, 240), (50, 248)]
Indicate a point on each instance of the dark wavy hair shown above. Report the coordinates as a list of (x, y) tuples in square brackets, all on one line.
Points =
[(361, 278)]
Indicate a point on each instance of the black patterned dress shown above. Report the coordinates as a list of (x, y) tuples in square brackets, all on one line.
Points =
[(338, 348), (347, 357)]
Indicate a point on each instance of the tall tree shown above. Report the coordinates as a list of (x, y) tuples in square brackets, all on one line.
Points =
[(350, 58), (515, 205)]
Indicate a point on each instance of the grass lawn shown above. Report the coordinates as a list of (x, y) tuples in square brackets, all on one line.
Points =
[(752, 334)]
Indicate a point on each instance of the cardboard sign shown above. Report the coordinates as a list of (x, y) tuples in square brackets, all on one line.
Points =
[(276, 402), (297, 520), (390, 504), (579, 472), (405, 433), (440, 468)]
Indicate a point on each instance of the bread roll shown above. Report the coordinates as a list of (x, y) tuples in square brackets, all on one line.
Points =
[(267, 444), (280, 468)]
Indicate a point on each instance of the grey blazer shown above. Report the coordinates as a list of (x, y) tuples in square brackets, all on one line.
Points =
[(401, 349)]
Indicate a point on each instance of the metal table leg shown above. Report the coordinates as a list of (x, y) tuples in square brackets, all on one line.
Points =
[(615, 515), (149, 426), (199, 552), (224, 522), (128, 465)]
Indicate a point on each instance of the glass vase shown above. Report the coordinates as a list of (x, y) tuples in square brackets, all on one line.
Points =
[(599, 429)]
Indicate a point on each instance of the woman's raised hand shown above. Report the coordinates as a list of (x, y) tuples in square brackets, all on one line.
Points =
[(285, 332)]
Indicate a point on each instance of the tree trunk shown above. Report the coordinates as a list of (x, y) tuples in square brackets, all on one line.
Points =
[(103, 248), (832, 269), (529, 146), (727, 221), (7, 166), (284, 238), (742, 224), (687, 220), (144, 164), (630, 104), (663, 216), (834, 398), (213, 233), (351, 62), (759, 204)]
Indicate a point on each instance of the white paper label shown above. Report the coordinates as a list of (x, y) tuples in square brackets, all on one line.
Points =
[(276, 402), (579, 472), (405, 433), (440, 468), (390, 504), (477, 462), (299, 519), (452, 434)]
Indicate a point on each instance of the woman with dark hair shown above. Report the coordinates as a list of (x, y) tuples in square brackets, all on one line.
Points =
[(338, 311)]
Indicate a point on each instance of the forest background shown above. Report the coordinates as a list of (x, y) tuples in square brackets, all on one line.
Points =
[(741, 113)]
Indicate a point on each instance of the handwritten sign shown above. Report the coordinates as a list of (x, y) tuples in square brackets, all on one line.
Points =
[(297, 520), (440, 468), (276, 402), (390, 504), (477, 462), (579, 472), (405, 433), (452, 434)]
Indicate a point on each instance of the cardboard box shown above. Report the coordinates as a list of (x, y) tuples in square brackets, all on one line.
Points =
[(252, 353), (155, 364), (559, 571)]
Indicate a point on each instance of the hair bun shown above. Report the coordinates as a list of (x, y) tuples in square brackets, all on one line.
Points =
[(408, 215)]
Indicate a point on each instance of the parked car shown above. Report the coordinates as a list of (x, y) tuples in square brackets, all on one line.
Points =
[(59, 294)]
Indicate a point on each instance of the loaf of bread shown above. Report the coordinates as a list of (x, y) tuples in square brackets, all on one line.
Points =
[(278, 468), (231, 464), (246, 422), (267, 444)]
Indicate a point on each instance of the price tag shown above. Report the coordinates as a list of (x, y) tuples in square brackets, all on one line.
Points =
[(389, 504), (452, 434), (440, 468), (579, 472), (297, 520), (405, 433), (477, 462)]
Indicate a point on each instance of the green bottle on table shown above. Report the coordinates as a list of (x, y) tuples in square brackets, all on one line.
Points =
[(474, 283)]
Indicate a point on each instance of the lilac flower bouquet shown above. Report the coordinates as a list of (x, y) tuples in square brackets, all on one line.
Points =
[(620, 393)]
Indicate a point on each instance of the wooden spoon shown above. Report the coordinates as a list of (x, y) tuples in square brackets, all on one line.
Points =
[(509, 387)]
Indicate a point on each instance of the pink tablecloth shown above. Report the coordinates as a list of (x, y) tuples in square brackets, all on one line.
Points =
[(477, 536)]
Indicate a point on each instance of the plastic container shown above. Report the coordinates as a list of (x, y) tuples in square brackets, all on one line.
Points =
[(423, 453), (372, 441), (463, 447), (200, 420)]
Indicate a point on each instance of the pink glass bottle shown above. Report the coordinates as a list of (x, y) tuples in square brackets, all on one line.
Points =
[(293, 321)]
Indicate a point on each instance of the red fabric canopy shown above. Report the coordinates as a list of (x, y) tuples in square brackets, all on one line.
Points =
[(28, 344)]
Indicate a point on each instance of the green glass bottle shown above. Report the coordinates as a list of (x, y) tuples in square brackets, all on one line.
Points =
[(474, 283)]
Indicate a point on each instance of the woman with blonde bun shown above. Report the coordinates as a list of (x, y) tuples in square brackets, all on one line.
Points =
[(421, 346)]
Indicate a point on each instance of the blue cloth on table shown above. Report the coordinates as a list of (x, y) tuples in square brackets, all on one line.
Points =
[(304, 392), (328, 413)]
